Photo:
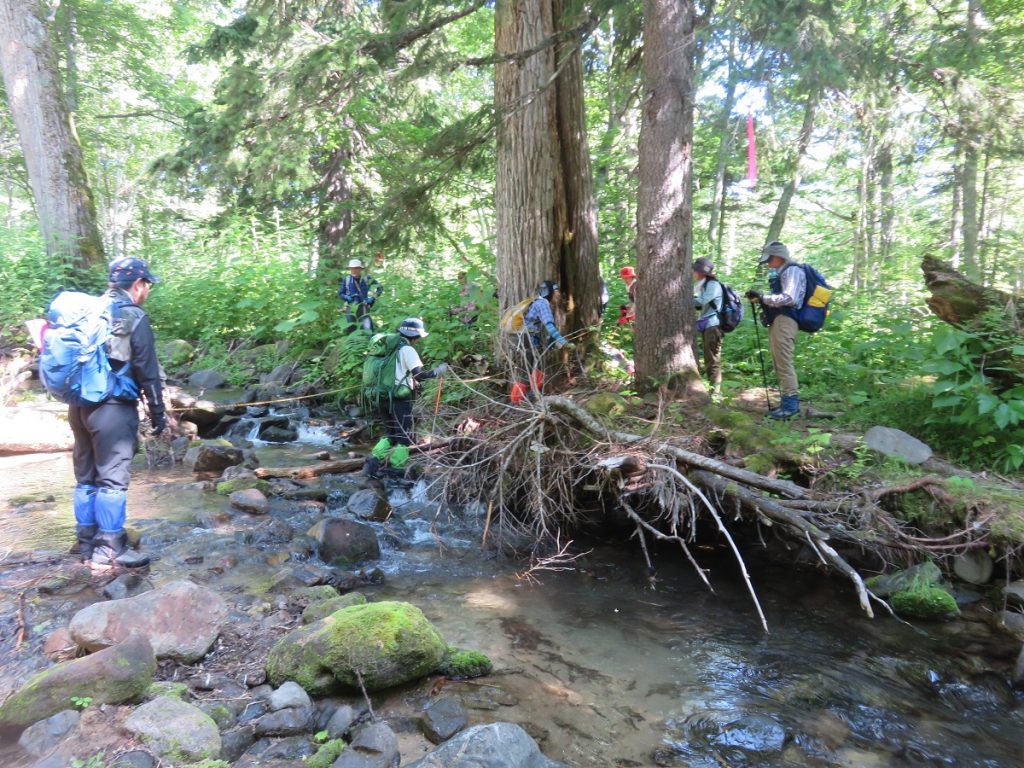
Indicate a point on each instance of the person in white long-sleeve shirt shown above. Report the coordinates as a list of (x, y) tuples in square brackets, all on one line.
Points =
[(709, 297)]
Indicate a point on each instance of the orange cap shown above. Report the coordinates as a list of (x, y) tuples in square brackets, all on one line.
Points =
[(627, 272)]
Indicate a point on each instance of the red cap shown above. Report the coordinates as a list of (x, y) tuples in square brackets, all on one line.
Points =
[(627, 272)]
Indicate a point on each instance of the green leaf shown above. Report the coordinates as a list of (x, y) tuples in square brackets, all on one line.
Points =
[(947, 401), (986, 403), (1004, 416)]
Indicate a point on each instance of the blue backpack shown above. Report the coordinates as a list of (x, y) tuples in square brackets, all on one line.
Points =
[(73, 365), (812, 313)]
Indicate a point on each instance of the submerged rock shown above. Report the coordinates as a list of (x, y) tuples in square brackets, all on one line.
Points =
[(181, 621), (387, 643), (496, 745), (115, 675), (175, 730)]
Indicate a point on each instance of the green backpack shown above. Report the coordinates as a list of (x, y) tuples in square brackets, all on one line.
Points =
[(379, 386)]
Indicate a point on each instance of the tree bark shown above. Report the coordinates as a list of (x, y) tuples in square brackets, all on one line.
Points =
[(53, 155), (664, 316), (334, 214), (803, 141)]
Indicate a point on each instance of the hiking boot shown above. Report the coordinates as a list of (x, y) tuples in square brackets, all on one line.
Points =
[(789, 408), (84, 535), (112, 549)]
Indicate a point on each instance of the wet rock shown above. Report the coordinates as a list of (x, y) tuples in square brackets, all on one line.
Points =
[(211, 519), (291, 752), (925, 574), (280, 375), (754, 734), (974, 566), (118, 674), (373, 746), (323, 608), (250, 500), (237, 472), (207, 379), (173, 729), (344, 541), (1017, 677), (181, 620), (1013, 622), (221, 714), (897, 444), (233, 743), (442, 719), (289, 695), (496, 745), (297, 575), (40, 738), (59, 645), (67, 579), (122, 586), (308, 493), (390, 642), (216, 681), (227, 487), (212, 456), (1013, 593), (369, 505), (341, 721), (135, 758), (488, 698), (253, 711), (284, 722), (279, 435)]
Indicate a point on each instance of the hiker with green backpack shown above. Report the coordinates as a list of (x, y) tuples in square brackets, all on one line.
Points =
[(391, 375)]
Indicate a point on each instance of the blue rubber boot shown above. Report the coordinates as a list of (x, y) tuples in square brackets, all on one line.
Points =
[(789, 408), (84, 502), (110, 510)]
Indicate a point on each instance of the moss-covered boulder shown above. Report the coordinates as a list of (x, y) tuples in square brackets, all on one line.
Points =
[(925, 603), (114, 675), (918, 576), (174, 731), (176, 353), (227, 487), (387, 643), (321, 609), (461, 664)]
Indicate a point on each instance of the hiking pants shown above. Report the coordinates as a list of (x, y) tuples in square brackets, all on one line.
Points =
[(398, 421), (712, 339), (106, 438), (782, 340)]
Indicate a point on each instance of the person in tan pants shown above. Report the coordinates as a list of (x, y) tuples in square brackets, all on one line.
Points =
[(788, 284)]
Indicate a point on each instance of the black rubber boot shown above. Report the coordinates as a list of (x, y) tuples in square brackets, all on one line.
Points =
[(83, 541), (112, 549)]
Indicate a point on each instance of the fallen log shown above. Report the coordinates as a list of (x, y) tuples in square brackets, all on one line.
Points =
[(312, 470)]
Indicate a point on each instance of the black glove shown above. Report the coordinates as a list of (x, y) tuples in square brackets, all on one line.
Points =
[(159, 422), (753, 295)]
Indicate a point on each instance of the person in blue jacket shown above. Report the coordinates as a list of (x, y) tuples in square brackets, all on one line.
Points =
[(359, 294)]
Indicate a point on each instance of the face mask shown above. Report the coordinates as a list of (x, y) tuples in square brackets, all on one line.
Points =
[(773, 273)]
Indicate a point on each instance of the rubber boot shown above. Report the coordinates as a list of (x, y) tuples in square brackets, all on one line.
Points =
[(111, 548), (371, 467), (789, 408), (83, 501), (83, 541)]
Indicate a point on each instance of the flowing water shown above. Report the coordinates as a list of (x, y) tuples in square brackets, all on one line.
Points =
[(606, 667)]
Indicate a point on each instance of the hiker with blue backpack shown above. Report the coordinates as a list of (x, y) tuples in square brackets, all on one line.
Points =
[(392, 375), (99, 356), (798, 302), (359, 293), (710, 298)]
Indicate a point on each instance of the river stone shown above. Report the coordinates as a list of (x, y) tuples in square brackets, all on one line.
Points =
[(284, 722), (279, 375), (135, 758), (345, 541), (122, 586), (40, 738), (1017, 677), (289, 695), (250, 500), (279, 435), (925, 574), (181, 620), (114, 675), (176, 352), (323, 608), (298, 575), (175, 730), (233, 743), (373, 746), (369, 505), (210, 456), (495, 745), (442, 719), (974, 566), (389, 643), (207, 379), (1013, 593), (897, 444), (1013, 621), (753, 733), (345, 716)]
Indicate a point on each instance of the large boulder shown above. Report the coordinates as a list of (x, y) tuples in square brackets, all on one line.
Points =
[(31, 430), (181, 620), (387, 643), (250, 500), (897, 444), (207, 379), (212, 456), (345, 542), (495, 745), (175, 731), (176, 353), (118, 674), (369, 505)]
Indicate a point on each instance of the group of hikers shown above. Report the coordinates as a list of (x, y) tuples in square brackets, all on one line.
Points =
[(103, 391)]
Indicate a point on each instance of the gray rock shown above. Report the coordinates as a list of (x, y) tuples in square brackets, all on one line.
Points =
[(136, 758), (1013, 622), (280, 375), (442, 719), (181, 620), (250, 500), (284, 722), (496, 745), (237, 472), (222, 713), (343, 542), (40, 738), (212, 457), (345, 716), (375, 746), (290, 752), (111, 676), (369, 505), (974, 566), (1018, 671), (215, 681), (175, 730), (122, 586), (897, 444), (1014, 594), (233, 743), (207, 379), (298, 575), (279, 435), (289, 695), (176, 352)]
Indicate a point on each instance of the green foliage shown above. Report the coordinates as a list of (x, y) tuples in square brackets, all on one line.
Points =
[(465, 664), (93, 761), (81, 702), (930, 602), (327, 754)]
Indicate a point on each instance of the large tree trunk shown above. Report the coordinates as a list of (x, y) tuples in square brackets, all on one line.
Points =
[(334, 214), (53, 156), (664, 317), (546, 216), (793, 184)]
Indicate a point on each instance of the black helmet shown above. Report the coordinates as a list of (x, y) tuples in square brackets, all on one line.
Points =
[(412, 328), (545, 289), (703, 266)]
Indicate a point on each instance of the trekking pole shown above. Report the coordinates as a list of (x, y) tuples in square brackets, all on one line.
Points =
[(437, 400), (760, 352), (579, 362)]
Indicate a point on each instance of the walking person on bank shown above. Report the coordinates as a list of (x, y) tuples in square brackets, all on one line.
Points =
[(359, 294), (107, 435), (710, 297), (787, 286)]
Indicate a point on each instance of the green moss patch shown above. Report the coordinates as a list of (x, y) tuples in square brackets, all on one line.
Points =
[(227, 487), (925, 603), (326, 755), (465, 664)]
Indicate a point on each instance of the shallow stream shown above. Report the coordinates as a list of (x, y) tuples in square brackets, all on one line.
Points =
[(609, 668)]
